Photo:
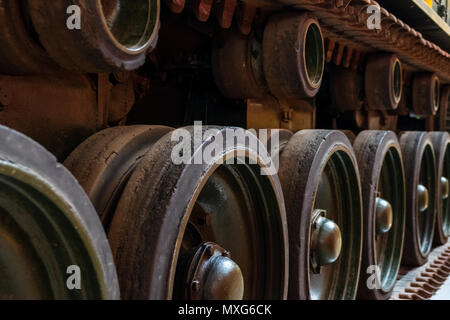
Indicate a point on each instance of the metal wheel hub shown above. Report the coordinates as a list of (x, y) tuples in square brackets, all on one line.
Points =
[(384, 215), (212, 275), (444, 187), (422, 197), (326, 241)]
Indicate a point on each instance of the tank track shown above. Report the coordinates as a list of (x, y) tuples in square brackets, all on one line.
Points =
[(428, 282), (344, 24)]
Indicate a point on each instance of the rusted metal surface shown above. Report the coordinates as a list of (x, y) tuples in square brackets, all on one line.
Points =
[(425, 94), (347, 89), (426, 281), (383, 81), (60, 111), (350, 21), (420, 172), (272, 113), (57, 111), (442, 121), (293, 55), (120, 95), (36, 38), (225, 10), (237, 65), (20, 52), (111, 36), (441, 145), (431, 20), (288, 60)]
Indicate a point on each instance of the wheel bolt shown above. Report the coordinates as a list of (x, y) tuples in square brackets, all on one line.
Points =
[(422, 197), (444, 187), (327, 241), (383, 211)]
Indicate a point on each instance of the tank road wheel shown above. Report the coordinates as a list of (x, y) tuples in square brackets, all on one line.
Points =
[(383, 191), (237, 65), (114, 34), (347, 89), (201, 231), (442, 122), (441, 144), (20, 53), (426, 94), (383, 81), (104, 162), (420, 173), (320, 179), (293, 55), (48, 229)]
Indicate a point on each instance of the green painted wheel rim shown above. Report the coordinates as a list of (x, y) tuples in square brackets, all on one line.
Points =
[(40, 238), (389, 245), (425, 225), (446, 201), (338, 194), (237, 208)]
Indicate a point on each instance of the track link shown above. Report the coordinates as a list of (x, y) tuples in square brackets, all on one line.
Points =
[(428, 282)]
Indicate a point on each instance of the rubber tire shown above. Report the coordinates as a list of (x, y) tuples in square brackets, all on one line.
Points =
[(91, 49), (283, 58), (21, 150), (423, 94), (150, 215), (443, 118), (379, 82), (346, 89), (413, 145), (371, 148), (441, 143), (104, 162), (300, 162)]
